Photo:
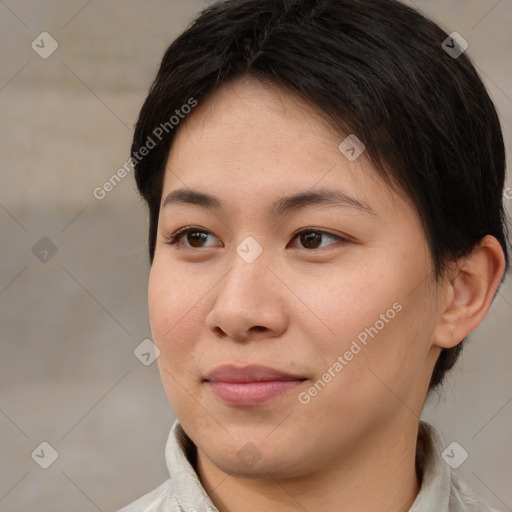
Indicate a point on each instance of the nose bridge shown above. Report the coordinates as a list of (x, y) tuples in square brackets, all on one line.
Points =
[(248, 273), (247, 296)]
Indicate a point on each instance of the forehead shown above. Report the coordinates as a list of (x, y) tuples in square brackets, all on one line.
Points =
[(257, 139), (250, 107)]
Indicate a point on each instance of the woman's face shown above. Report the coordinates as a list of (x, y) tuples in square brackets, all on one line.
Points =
[(347, 310)]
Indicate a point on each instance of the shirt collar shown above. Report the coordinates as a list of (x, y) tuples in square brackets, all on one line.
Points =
[(435, 474), (180, 454)]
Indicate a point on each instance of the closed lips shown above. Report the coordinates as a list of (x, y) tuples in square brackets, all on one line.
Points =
[(251, 373), (250, 386)]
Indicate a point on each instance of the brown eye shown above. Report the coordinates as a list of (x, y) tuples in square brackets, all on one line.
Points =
[(194, 236), (312, 239)]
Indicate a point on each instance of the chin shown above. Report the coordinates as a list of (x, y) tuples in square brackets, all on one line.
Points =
[(261, 458), (260, 466)]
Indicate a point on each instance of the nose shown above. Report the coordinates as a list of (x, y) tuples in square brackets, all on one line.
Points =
[(250, 302)]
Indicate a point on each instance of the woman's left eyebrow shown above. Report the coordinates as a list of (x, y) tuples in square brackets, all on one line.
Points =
[(281, 207)]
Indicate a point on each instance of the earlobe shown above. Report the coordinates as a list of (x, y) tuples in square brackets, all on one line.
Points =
[(469, 291)]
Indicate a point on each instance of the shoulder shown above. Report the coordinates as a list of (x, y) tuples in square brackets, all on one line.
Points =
[(158, 500), (442, 490), (464, 499), (183, 491)]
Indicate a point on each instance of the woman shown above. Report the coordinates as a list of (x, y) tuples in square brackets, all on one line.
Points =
[(324, 182)]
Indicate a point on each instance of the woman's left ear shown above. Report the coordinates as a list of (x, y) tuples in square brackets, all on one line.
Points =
[(469, 290)]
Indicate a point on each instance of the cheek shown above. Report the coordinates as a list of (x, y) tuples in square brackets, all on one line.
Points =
[(351, 299), (394, 358), (174, 308), (161, 301), (373, 315), (175, 324)]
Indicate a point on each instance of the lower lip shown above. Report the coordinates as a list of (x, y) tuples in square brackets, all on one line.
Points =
[(251, 393)]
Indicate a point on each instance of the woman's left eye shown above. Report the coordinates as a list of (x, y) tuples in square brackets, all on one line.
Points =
[(196, 236), (310, 237)]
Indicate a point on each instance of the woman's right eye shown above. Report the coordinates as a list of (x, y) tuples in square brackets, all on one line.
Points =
[(200, 235)]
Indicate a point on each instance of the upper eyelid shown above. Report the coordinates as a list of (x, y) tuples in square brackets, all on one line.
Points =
[(186, 229)]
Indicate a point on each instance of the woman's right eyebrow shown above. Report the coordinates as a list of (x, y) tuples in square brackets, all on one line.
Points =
[(280, 207)]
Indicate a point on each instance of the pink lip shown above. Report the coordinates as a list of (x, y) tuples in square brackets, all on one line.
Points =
[(250, 385)]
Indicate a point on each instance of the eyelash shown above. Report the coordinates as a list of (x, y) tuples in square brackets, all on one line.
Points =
[(176, 237)]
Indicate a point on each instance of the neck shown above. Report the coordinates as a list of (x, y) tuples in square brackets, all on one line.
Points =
[(377, 473)]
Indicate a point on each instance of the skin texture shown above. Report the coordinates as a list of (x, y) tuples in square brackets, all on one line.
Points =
[(298, 307)]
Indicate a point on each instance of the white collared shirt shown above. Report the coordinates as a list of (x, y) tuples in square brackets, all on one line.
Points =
[(441, 489)]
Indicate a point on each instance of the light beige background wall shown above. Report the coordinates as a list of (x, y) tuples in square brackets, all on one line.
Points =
[(69, 326)]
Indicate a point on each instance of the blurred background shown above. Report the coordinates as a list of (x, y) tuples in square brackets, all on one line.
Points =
[(74, 268)]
